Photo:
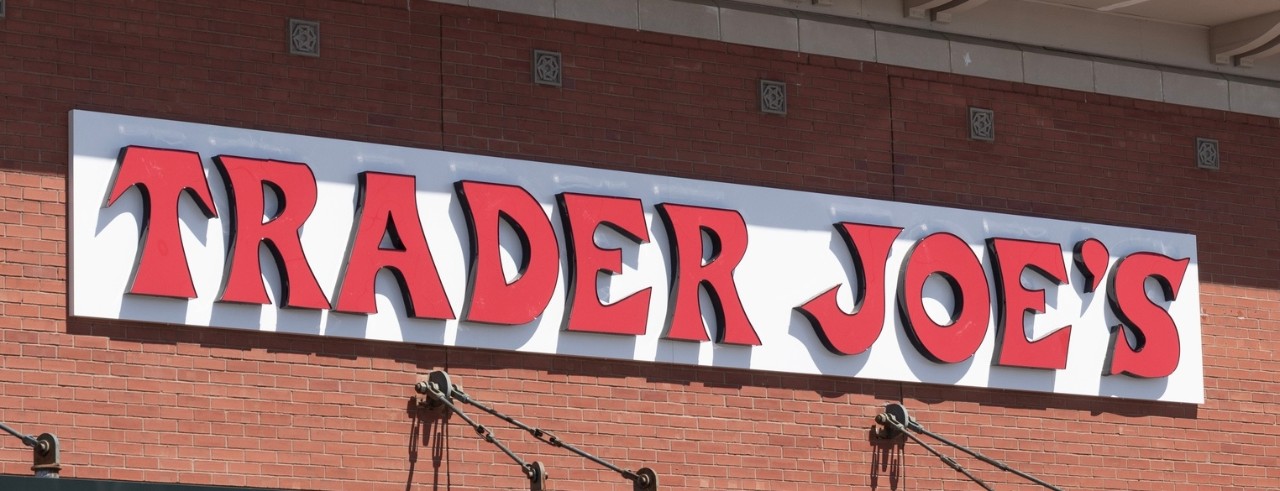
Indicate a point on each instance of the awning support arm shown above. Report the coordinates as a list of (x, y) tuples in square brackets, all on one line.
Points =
[(899, 427), (896, 420), (644, 479), (441, 392)]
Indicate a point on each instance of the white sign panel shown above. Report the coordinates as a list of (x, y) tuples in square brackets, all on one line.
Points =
[(211, 226)]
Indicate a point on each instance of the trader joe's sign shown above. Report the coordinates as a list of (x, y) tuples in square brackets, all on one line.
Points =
[(211, 226)]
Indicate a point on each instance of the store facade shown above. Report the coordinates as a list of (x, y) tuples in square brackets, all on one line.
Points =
[(244, 242)]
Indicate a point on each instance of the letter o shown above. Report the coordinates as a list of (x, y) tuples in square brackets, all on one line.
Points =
[(950, 257)]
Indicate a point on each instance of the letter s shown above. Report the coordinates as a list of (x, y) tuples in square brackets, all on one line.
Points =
[(1156, 350)]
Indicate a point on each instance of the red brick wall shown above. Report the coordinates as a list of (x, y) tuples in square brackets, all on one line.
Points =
[(171, 403)]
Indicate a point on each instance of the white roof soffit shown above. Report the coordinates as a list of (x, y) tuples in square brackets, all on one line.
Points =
[(1225, 36), (1158, 50), (1240, 32)]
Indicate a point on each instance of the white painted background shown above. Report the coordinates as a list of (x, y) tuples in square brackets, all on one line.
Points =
[(794, 255)]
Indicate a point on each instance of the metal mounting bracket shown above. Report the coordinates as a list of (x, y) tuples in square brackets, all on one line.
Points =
[(537, 477), (646, 480), (437, 386), (45, 461), (887, 430)]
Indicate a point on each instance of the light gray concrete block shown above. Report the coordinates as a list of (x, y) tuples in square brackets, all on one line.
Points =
[(1125, 80), (986, 60), (1057, 70), (1254, 98), (545, 8), (1197, 90), (764, 29), (695, 19), (843, 40), (911, 49), (617, 13)]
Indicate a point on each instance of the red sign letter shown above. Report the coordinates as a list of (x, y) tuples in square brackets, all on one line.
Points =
[(1156, 349), (948, 256), (728, 235), (850, 334), (492, 300), (1090, 257), (295, 188), (388, 206), (161, 176), (583, 215), (1013, 347)]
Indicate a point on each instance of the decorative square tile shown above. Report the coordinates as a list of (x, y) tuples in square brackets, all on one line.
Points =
[(982, 124), (1207, 156), (773, 97), (304, 37), (546, 68)]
